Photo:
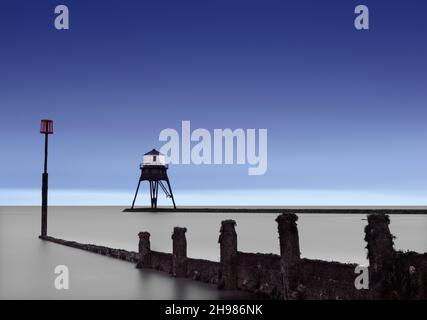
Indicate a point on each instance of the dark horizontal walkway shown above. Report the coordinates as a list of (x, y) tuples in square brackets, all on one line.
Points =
[(292, 209)]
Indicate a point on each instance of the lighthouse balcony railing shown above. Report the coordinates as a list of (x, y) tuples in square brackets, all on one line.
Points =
[(153, 165)]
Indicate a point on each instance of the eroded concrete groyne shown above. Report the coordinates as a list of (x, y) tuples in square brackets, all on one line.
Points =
[(392, 274)]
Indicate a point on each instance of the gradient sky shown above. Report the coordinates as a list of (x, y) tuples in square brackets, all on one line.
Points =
[(345, 109)]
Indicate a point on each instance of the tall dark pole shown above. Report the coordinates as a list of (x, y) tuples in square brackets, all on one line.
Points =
[(46, 128), (46, 144), (45, 179)]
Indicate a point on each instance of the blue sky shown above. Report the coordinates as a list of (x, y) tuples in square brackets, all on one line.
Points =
[(345, 110)]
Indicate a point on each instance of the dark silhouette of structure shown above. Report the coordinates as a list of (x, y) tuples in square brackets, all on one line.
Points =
[(154, 170), (392, 274), (46, 128)]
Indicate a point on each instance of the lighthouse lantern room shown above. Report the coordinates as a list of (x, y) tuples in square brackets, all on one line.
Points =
[(153, 158)]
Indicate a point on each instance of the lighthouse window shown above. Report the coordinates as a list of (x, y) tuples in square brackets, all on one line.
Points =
[(154, 158)]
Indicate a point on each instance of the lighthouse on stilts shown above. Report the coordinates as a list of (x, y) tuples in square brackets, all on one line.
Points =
[(154, 170)]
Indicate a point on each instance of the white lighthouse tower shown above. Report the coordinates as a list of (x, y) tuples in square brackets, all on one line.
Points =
[(154, 170)]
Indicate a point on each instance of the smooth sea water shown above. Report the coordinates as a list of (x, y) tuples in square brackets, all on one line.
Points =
[(27, 263)]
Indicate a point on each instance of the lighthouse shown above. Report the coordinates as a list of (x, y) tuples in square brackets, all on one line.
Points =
[(154, 170)]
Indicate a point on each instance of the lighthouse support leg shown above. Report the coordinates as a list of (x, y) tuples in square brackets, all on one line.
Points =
[(170, 191), (154, 190), (151, 193), (136, 193)]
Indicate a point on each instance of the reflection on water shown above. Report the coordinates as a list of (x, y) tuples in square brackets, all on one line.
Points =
[(27, 264)]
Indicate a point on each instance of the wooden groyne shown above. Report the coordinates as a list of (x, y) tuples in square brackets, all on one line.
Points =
[(391, 274), (121, 254)]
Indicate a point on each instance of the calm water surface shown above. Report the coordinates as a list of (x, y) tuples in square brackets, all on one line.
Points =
[(27, 264)]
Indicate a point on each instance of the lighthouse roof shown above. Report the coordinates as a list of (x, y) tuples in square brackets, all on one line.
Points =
[(153, 152)]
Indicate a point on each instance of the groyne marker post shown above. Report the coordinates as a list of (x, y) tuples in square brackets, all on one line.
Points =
[(179, 252), (144, 249), (46, 128), (381, 255), (229, 255), (289, 251)]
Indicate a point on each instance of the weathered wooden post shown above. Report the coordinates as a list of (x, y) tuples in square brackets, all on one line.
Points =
[(228, 261), (289, 252), (144, 250), (179, 252), (381, 255)]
